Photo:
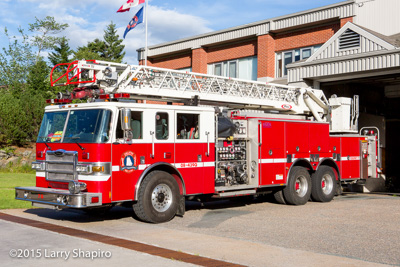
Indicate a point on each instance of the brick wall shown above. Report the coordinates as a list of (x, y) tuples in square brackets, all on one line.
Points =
[(345, 20), (264, 47), (266, 56), (173, 62), (308, 37), (199, 60), (231, 51)]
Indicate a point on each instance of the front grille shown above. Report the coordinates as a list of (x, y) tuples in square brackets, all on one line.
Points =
[(61, 165)]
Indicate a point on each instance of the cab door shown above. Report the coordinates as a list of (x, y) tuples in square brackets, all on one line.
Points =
[(194, 150), (128, 156), (162, 137)]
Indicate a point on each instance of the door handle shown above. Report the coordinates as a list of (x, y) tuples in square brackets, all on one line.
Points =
[(152, 144), (167, 155), (208, 144)]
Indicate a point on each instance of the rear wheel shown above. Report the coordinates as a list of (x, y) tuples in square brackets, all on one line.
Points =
[(158, 198), (323, 184), (298, 188), (278, 195)]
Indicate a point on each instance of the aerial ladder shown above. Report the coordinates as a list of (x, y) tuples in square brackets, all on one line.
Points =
[(93, 78)]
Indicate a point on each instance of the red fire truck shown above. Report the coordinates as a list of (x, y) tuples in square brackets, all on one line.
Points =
[(220, 138)]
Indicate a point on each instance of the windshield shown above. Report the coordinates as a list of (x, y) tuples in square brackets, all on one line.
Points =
[(75, 126)]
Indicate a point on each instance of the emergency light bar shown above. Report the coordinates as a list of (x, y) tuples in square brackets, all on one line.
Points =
[(58, 101), (115, 96)]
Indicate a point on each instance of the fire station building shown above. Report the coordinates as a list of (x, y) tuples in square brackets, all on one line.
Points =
[(348, 48)]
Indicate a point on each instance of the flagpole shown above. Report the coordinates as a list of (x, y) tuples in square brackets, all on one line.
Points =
[(145, 47)]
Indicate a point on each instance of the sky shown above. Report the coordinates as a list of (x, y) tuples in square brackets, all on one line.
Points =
[(167, 21)]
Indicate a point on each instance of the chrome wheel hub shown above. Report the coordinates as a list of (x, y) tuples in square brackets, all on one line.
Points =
[(301, 186), (161, 197), (327, 184)]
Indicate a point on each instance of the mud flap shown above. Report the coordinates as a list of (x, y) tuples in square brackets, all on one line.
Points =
[(181, 206)]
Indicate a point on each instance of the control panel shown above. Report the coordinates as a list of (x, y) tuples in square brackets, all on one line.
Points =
[(232, 162)]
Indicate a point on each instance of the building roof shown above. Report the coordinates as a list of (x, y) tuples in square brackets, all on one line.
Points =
[(299, 19), (373, 52)]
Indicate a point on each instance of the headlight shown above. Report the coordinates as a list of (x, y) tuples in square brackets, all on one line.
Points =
[(86, 169), (39, 166), (76, 187)]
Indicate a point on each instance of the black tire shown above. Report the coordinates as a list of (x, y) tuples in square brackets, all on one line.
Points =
[(323, 184), (298, 187), (158, 198), (278, 195)]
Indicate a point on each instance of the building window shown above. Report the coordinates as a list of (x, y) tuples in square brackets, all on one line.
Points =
[(286, 57), (189, 69), (242, 68)]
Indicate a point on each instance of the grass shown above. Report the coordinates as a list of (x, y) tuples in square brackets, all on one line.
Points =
[(8, 182)]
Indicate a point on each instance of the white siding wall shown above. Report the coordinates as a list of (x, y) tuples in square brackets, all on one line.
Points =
[(366, 45), (379, 15), (386, 60)]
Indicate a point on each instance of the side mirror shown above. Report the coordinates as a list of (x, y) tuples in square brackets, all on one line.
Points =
[(126, 119), (126, 123)]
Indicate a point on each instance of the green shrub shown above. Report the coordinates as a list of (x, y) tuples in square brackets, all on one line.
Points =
[(20, 117)]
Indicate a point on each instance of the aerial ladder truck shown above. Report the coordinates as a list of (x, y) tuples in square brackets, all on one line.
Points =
[(152, 138)]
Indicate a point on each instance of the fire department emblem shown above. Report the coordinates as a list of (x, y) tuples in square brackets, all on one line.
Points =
[(128, 162), (286, 106), (132, 24)]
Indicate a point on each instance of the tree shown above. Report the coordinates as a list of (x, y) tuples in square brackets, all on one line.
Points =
[(85, 52), (46, 27), (61, 53), (15, 60), (38, 81), (24, 81), (109, 49), (113, 48)]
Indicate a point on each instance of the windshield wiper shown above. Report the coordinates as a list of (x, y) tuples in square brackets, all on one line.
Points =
[(47, 145), (76, 142)]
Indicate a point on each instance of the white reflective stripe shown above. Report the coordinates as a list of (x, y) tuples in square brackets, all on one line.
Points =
[(141, 167), (262, 161), (209, 164), (41, 174), (115, 168), (96, 178), (350, 158), (189, 165)]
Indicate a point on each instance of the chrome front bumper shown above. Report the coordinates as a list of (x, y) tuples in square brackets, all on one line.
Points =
[(57, 197)]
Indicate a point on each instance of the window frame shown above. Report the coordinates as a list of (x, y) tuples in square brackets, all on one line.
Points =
[(183, 112), (168, 126), (118, 123), (280, 63)]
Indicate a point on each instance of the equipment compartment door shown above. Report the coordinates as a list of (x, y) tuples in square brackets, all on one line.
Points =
[(272, 159)]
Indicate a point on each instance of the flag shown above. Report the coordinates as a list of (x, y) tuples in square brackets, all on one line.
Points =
[(138, 18), (129, 4)]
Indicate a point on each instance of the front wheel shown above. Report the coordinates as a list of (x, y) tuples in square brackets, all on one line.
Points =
[(298, 187), (158, 198), (323, 184)]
